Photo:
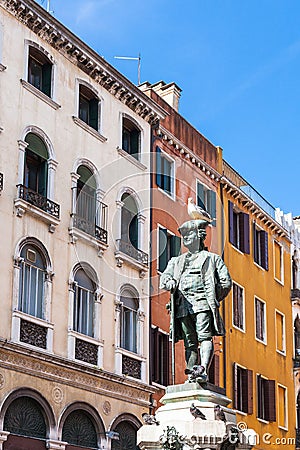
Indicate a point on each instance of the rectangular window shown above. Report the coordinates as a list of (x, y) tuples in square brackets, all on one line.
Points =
[(260, 320), (266, 400), (278, 266), (238, 228), (88, 108), (160, 346), (282, 407), (165, 168), (238, 306), (214, 370), (206, 199), (260, 246), (169, 245), (242, 389), (280, 331)]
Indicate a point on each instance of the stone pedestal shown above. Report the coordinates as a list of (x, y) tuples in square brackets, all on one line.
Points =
[(179, 430)]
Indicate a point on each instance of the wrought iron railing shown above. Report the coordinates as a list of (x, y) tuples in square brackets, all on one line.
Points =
[(90, 228), (38, 200), (130, 250), (249, 190), (1, 181)]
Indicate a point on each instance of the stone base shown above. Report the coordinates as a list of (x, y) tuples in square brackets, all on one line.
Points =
[(176, 422)]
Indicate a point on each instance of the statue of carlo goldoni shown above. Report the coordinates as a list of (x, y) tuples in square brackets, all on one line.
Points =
[(198, 281)]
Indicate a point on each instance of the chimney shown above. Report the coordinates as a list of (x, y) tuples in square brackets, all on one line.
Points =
[(169, 92)]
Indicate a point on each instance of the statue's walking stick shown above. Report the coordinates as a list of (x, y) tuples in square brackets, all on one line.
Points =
[(173, 335)]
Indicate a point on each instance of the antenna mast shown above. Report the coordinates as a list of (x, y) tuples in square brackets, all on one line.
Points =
[(131, 58)]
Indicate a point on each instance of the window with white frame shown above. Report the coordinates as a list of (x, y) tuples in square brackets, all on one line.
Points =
[(206, 199), (238, 306), (165, 172), (280, 331), (129, 311), (282, 406), (84, 303), (32, 282), (278, 262), (260, 320)]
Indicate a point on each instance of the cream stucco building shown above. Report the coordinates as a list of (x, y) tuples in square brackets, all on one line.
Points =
[(75, 142)]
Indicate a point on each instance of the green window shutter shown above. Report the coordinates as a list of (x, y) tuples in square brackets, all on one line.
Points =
[(175, 245), (163, 249), (212, 205), (93, 113), (134, 143), (42, 178), (158, 167), (46, 74), (200, 195), (133, 232)]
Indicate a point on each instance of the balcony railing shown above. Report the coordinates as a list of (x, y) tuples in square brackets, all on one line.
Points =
[(128, 249), (38, 200), (90, 228), (1, 182), (249, 190)]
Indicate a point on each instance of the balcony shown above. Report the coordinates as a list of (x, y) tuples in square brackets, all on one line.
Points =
[(37, 205), (134, 257), (1, 182), (90, 228), (38, 200)]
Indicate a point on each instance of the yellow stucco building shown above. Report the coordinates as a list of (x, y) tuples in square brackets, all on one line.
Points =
[(258, 347)]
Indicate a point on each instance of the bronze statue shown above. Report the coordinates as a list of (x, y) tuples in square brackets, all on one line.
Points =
[(198, 280)]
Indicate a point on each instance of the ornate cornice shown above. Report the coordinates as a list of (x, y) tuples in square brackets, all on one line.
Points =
[(31, 14), (61, 370), (186, 153)]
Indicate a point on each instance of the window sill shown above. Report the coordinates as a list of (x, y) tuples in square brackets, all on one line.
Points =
[(283, 428), (279, 281), (22, 207), (158, 385), (89, 129), (131, 159), (242, 413), (281, 352), (262, 342), (2, 67), (29, 87), (237, 249), (266, 422), (85, 337), (18, 317), (132, 355), (239, 329), (171, 197), (259, 267), (76, 234), (36, 320)]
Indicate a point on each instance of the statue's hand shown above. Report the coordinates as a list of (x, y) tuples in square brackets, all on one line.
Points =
[(170, 285)]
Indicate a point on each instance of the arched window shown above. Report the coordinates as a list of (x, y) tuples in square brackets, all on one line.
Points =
[(84, 303), (79, 429), (130, 306), (35, 169), (25, 417), (127, 437), (32, 282), (88, 109), (131, 138), (129, 221), (40, 70)]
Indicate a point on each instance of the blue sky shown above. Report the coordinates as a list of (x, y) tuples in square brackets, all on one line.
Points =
[(237, 62)]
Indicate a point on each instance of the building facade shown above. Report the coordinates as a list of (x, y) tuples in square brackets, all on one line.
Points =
[(75, 138), (184, 164), (258, 346)]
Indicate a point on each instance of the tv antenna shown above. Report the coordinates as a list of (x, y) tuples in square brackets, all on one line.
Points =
[(133, 58), (48, 7)]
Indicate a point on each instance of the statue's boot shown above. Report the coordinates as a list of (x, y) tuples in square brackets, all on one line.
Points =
[(191, 358), (206, 354)]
